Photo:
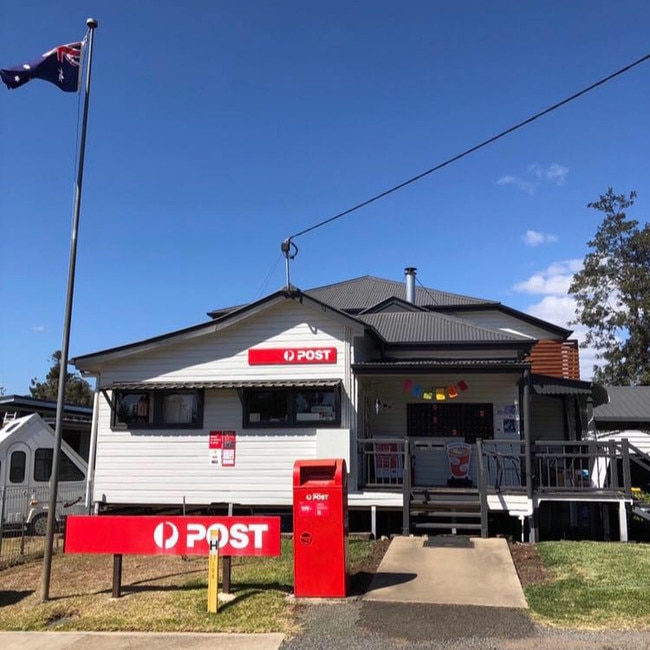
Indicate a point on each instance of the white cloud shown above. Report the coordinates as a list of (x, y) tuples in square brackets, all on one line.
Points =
[(525, 186), (534, 238), (557, 307), (554, 280), (38, 328), (554, 173)]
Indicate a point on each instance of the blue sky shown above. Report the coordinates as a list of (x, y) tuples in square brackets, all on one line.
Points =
[(219, 128)]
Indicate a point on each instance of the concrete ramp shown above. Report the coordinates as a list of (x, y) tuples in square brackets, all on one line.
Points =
[(448, 570)]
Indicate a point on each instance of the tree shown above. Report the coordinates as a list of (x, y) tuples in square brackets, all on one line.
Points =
[(77, 390), (612, 293)]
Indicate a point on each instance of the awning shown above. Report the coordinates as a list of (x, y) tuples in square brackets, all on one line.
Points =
[(250, 383), (544, 385)]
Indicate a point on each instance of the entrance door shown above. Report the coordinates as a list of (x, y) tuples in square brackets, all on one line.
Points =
[(16, 482)]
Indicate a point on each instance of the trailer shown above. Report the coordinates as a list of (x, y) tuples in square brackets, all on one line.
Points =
[(26, 457)]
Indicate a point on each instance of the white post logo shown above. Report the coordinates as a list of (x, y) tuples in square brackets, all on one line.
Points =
[(165, 535)]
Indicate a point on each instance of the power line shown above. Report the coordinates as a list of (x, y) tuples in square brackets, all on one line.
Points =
[(468, 151)]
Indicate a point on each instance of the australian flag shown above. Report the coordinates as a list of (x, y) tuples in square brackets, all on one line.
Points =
[(60, 66)]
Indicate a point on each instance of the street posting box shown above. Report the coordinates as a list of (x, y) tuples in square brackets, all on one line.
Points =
[(320, 528)]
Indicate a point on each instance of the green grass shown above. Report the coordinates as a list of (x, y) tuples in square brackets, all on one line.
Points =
[(594, 585), (159, 594)]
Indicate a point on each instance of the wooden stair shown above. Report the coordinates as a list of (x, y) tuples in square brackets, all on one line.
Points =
[(445, 511)]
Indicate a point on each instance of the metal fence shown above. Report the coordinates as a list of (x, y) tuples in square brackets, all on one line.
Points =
[(23, 520)]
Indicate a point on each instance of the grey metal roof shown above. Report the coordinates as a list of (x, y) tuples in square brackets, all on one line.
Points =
[(182, 385), (545, 385), (427, 366), (364, 292), (429, 327), (626, 403)]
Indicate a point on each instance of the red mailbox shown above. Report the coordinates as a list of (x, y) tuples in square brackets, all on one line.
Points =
[(320, 529)]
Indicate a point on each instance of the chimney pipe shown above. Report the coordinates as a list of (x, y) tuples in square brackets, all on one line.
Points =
[(410, 283)]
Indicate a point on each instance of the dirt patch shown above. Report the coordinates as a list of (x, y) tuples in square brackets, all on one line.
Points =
[(362, 571), (530, 569)]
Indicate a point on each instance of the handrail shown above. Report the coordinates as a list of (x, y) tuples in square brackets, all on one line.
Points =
[(482, 487), (639, 456), (566, 466)]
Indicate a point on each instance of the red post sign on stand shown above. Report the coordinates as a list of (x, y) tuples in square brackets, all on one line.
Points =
[(138, 535)]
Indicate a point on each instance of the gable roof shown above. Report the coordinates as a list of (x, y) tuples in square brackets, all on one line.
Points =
[(372, 294), (410, 327), (626, 404), (226, 320)]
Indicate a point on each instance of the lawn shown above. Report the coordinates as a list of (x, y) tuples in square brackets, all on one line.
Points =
[(161, 593), (567, 584), (592, 585)]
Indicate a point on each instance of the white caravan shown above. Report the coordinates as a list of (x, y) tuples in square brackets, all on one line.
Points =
[(26, 453)]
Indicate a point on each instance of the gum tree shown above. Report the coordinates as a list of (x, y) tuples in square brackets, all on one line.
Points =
[(612, 293)]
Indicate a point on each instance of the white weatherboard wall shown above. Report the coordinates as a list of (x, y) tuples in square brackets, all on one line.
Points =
[(640, 439), (169, 466), (224, 355)]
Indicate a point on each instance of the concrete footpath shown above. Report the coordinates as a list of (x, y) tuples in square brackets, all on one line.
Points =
[(114, 640), (448, 570)]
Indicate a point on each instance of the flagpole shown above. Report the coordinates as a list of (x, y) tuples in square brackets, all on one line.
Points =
[(63, 368)]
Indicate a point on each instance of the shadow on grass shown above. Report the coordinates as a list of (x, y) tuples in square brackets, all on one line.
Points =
[(248, 588), (13, 597)]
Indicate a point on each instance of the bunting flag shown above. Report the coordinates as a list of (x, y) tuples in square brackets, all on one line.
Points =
[(59, 66)]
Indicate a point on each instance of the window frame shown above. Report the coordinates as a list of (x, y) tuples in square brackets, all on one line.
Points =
[(44, 460), (156, 398), (13, 468), (469, 420), (291, 394)]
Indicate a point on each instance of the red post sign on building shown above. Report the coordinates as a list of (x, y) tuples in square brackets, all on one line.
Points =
[(290, 356)]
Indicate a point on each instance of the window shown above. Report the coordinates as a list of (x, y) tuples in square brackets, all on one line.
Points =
[(470, 421), (293, 407), (17, 466), (68, 471), (161, 409)]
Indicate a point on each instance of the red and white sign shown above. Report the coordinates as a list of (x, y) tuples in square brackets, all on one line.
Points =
[(135, 535), (222, 447), (288, 356)]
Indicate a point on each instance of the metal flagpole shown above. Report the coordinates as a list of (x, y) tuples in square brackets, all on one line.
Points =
[(63, 369)]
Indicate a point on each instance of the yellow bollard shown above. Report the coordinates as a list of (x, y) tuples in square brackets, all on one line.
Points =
[(213, 572)]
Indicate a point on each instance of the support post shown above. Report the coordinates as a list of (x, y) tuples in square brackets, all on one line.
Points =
[(528, 458), (622, 520), (226, 565), (406, 480), (117, 576), (627, 474)]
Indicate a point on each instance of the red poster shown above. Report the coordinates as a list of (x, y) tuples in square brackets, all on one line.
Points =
[(229, 448), (141, 535), (222, 446)]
